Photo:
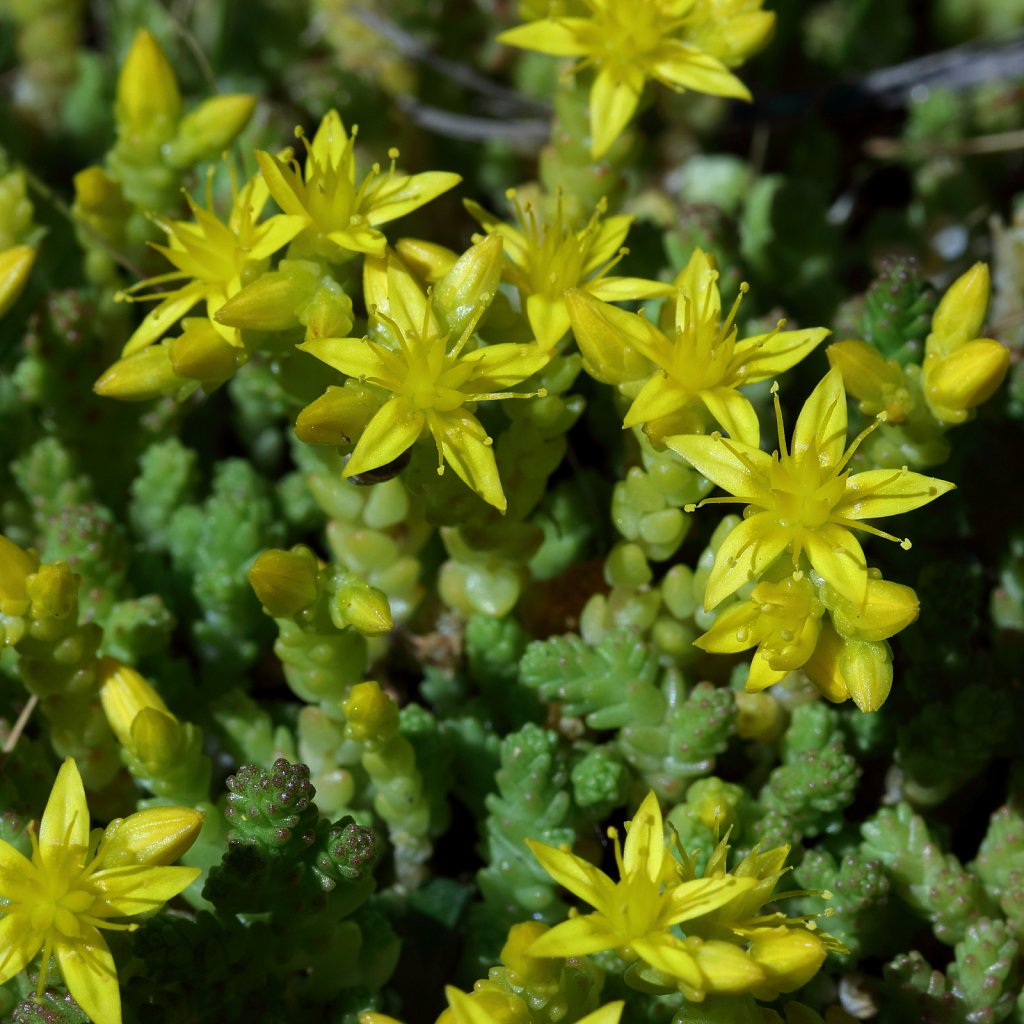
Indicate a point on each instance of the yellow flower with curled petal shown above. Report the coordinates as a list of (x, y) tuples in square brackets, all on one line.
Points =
[(548, 256), (214, 258), (802, 498), (59, 900), (636, 914), (433, 384), (336, 218), (684, 44), (961, 370), (701, 367), (493, 1007)]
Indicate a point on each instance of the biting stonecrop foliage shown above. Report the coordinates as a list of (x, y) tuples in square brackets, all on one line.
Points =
[(365, 455)]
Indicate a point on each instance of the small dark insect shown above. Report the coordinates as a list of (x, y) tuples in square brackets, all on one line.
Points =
[(382, 473)]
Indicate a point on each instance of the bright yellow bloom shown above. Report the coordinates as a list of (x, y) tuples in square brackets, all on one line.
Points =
[(744, 950), (337, 218), (630, 41), (214, 259), (493, 1007), (432, 382), (961, 370), (548, 257), (57, 901), (699, 369), (802, 499), (784, 620), (636, 914)]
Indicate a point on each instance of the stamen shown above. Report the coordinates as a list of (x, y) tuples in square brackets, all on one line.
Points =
[(727, 326), (881, 418), (613, 835), (783, 452)]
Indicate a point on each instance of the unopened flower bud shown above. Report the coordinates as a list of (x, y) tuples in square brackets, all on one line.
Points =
[(15, 266), (328, 314), (124, 693), (155, 837), (210, 128), (200, 353), (427, 260), (961, 312), (53, 591), (156, 740), (957, 383), (272, 302), (371, 713), (338, 416), (141, 376), (362, 607), (148, 98), (525, 970), (285, 582), (470, 284)]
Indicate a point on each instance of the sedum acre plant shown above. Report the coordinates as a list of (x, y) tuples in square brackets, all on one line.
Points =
[(399, 550)]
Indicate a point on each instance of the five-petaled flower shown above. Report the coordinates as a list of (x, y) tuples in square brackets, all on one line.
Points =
[(215, 259), (684, 44), (431, 381), (636, 914), (699, 369), (335, 217), (75, 883), (548, 256), (802, 498)]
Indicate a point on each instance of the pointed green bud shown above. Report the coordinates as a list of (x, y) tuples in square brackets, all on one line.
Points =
[(463, 295), (285, 582), (427, 260), (329, 312), (157, 738), (141, 376), (210, 129), (200, 353), (154, 837), (961, 312), (15, 266), (362, 607), (16, 566), (125, 694), (148, 99), (272, 302), (338, 416)]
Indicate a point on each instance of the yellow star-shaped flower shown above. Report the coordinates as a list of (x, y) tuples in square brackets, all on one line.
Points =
[(698, 369), (684, 44), (59, 900), (636, 914), (802, 498), (337, 218), (215, 259), (548, 256), (433, 384)]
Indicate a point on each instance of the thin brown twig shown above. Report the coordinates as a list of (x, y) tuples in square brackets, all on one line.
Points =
[(19, 726)]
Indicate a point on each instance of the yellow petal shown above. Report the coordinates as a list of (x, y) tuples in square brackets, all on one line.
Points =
[(138, 889), (330, 145), (745, 554), (549, 318), (960, 313), (765, 355), (733, 413), (64, 828), (644, 849), (614, 343), (123, 694), (610, 1013), (887, 608), (741, 469), (391, 197), (867, 375), (17, 876), (661, 396), (574, 873), (762, 674), (789, 956), (837, 556), (159, 320), (16, 566), (393, 430), (18, 942), (821, 425), (888, 492), (667, 954), (822, 668), (577, 937), (90, 975), (362, 360), (625, 289), (561, 38), (866, 668), (685, 67), (284, 183), (496, 367), (698, 294), (614, 98), (338, 416), (724, 637), (467, 449)]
